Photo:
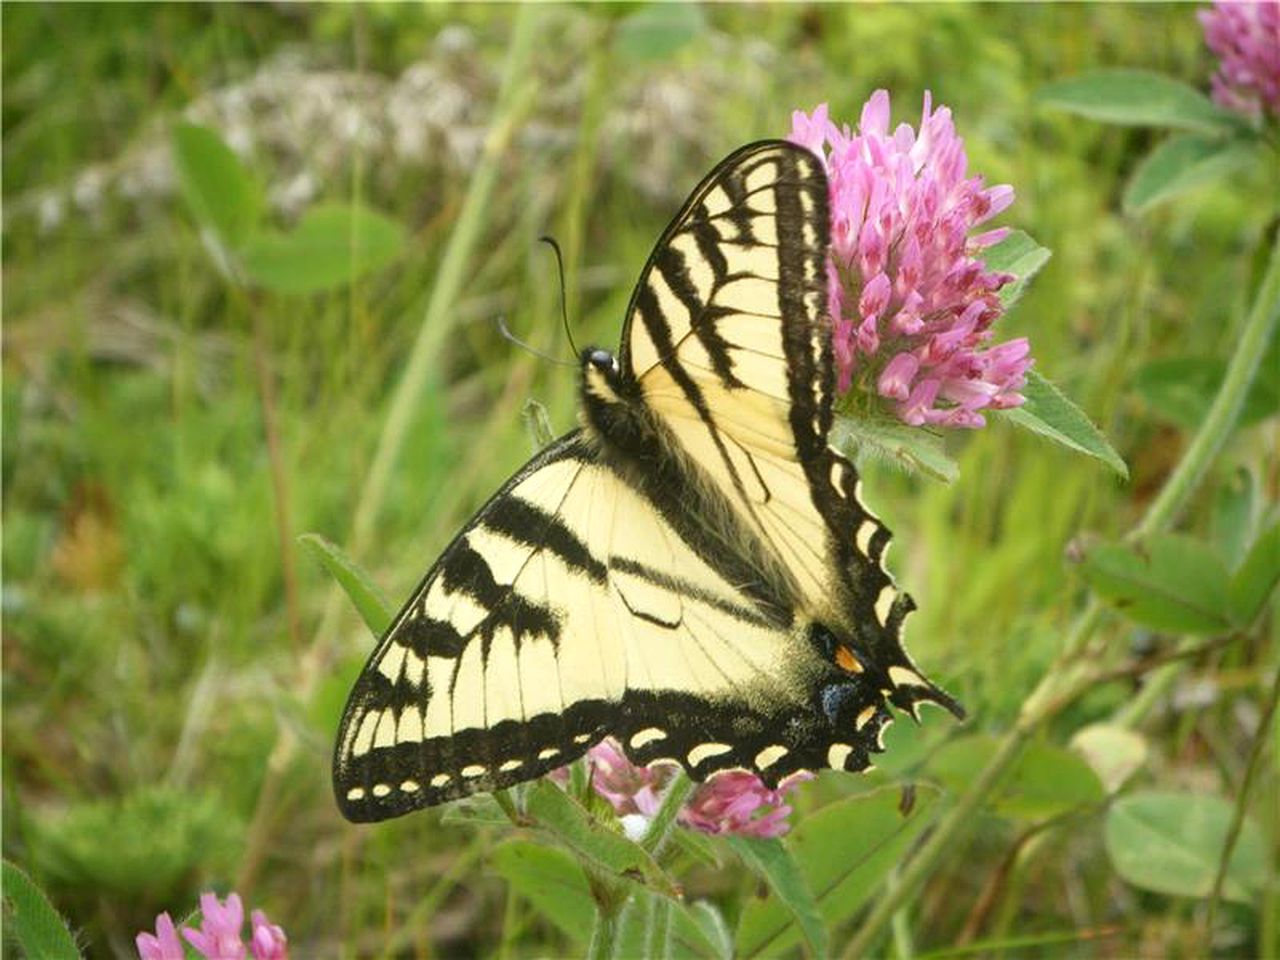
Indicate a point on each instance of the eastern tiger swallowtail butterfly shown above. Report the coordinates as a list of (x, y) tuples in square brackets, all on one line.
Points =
[(691, 571)]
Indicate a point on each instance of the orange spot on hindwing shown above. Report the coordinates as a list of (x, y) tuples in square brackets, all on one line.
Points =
[(847, 661)]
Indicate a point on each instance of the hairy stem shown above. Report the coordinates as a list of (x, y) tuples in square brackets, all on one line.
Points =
[(612, 897), (604, 938), (672, 802)]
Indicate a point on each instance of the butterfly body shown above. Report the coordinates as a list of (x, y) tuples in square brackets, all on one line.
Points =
[(691, 571)]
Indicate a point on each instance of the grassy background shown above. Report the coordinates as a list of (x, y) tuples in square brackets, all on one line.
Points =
[(152, 659)]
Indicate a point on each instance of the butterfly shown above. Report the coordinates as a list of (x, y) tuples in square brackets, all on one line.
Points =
[(691, 571)]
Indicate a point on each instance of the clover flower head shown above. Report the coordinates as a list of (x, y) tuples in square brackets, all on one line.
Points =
[(735, 802), (740, 803), (1246, 38), (910, 299), (219, 936), (630, 789)]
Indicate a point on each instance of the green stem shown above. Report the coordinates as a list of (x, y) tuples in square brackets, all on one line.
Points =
[(1216, 428), (604, 938), (1154, 689), (612, 897), (511, 926), (672, 803), (1082, 630), (1060, 688), (903, 945), (1242, 803), (1208, 441)]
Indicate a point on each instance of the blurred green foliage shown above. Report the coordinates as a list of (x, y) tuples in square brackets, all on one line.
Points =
[(152, 657)]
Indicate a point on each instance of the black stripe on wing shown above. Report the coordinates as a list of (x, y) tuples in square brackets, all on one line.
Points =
[(386, 761), (530, 524), (797, 172), (408, 776), (671, 263), (798, 187)]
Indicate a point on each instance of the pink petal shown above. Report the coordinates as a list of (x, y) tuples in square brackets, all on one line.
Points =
[(988, 239), (921, 400), (268, 941), (810, 131), (1246, 39), (163, 945), (905, 251), (875, 297), (896, 379), (875, 115)]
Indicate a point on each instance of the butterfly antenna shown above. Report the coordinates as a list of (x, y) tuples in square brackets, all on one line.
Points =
[(564, 310), (501, 323)]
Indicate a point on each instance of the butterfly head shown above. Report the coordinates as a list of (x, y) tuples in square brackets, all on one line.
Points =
[(601, 373), (603, 386)]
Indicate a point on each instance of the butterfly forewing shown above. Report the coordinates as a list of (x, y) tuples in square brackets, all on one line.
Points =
[(727, 337)]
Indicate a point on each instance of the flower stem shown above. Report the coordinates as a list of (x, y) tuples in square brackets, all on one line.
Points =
[(1060, 687), (1216, 428), (604, 937), (672, 803), (612, 897), (1262, 737), (903, 944)]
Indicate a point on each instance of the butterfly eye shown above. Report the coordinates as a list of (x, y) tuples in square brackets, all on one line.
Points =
[(602, 359)]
